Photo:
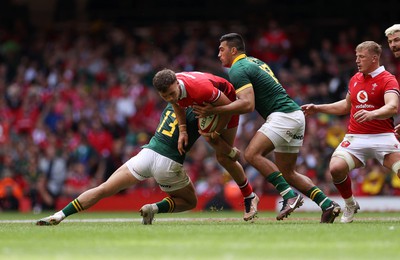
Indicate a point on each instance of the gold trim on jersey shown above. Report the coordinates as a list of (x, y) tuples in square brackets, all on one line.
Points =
[(241, 56), (249, 85)]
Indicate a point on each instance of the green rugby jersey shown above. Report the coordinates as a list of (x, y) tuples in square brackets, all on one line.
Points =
[(269, 94), (165, 139)]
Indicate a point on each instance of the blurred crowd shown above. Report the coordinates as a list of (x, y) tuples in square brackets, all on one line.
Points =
[(77, 102)]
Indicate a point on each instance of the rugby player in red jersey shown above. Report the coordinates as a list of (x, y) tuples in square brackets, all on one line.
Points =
[(185, 89), (372, 101)]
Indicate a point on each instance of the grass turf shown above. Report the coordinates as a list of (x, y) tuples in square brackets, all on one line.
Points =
[(205, 235)]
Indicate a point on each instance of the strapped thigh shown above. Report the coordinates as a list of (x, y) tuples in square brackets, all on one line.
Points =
[(347, 157)]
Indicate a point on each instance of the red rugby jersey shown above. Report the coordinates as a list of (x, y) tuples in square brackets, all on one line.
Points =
[(202, 87), (367, 92)]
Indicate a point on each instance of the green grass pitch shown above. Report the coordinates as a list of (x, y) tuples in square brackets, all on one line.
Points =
[(199, 235)]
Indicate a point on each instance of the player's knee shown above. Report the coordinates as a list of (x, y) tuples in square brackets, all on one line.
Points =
[(340, 165), (103, 191), (249, 156), (342, 161), (396, 168)]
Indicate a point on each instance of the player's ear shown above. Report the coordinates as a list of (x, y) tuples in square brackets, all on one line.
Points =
[(233, 50)]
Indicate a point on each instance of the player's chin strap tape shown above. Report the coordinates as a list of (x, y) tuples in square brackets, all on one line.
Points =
[(396, 167), (347, 157)]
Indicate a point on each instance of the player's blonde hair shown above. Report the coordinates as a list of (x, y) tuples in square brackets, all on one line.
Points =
[(371, 46), (392, 29)]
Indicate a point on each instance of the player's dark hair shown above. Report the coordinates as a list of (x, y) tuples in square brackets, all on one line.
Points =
[(163, 79), (234, 40)]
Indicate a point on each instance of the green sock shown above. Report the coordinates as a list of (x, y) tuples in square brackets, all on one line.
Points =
[(281, 185), (316, 195), (72, 208), (167, 205)]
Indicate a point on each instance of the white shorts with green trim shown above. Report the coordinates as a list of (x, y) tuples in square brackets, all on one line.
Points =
[(285, 130), (169, 174)]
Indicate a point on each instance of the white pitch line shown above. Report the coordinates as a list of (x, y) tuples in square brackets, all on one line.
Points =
[(98, 220), (121, 220)]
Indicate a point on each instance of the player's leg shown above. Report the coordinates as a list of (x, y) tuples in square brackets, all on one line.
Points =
[(236, 170), (262, 145), (220, 145), (342, 162), (172, 179), (286, 162), (392, 162), (121, 179), (179, 200)]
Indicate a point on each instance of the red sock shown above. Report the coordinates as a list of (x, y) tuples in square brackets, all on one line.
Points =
[(246, 189), (344, 188)]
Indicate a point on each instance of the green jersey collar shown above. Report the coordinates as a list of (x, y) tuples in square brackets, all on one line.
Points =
[(241, 56)]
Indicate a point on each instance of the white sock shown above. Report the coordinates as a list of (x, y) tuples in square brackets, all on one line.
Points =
[(350, 201), (60, 214), (154, 207)]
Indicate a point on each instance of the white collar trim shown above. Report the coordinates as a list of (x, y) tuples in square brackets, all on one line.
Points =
[(183, 89), (377, 71)]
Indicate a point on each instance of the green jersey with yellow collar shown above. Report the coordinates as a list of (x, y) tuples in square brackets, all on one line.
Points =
[(269, 94)]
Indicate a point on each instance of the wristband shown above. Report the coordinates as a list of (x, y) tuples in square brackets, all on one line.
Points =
[(232, 154)]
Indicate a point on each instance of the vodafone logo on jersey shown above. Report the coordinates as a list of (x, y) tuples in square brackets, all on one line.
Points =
[(362, 96)]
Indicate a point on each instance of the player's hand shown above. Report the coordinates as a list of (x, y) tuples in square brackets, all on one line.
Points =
[(364, 115), (182, 142), (397, 129), (204, 110), (212, 135), (309, 109)]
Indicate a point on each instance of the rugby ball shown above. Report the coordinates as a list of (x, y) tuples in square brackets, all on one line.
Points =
[(208, 124)]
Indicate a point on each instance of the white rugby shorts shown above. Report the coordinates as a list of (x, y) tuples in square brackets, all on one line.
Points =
[(369, 146), (285, 130), (169, 174)]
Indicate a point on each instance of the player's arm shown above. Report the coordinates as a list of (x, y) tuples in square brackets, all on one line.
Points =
[(386, 111), (183, 135), (224, 118), (215, 140), (242, 105), (341, 107)]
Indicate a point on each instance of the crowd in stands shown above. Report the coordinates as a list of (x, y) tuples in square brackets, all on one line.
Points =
[(78, 102)]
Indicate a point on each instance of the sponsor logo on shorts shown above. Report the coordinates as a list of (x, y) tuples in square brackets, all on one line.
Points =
[(165, 186), (345, 144), (294, 136), (139, 174)]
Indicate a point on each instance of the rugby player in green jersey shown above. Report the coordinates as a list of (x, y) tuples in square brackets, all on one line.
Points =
[(159, 159), (283, 131)]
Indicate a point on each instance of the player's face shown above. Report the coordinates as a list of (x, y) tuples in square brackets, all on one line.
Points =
[(366, 62), (394, 44), (171, 95), (225, 55)]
